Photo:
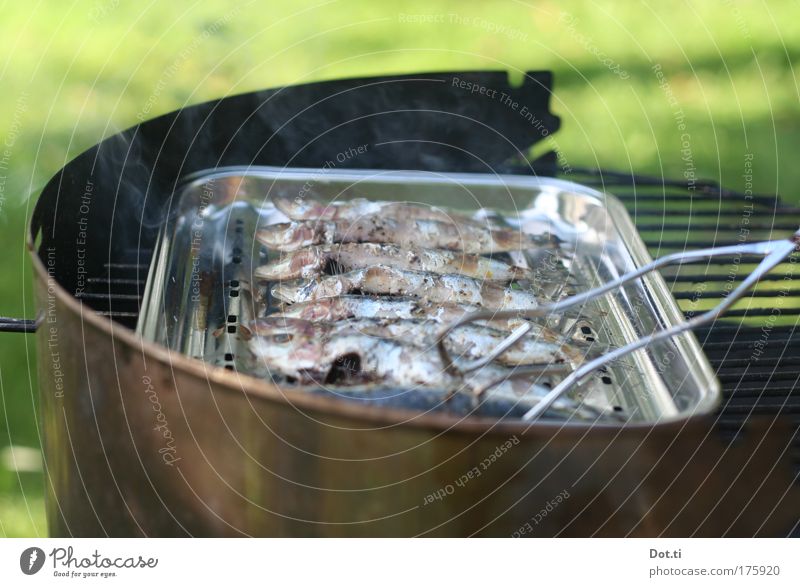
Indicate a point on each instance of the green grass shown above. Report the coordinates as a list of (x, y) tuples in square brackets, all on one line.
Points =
[(73, 73)]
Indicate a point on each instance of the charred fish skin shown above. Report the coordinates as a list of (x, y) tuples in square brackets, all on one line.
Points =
[(347, 306), (402, 320), (307, 208), (541, 346), (382, 280), (311, 261), (432, 234), (310, 353)]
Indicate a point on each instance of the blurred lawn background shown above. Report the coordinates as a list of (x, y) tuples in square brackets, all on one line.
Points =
[(73, 73)]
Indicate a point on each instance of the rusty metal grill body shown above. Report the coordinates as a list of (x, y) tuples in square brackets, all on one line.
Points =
[(266, 129)]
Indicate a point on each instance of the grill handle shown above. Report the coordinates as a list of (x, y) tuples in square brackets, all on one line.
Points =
[(19, 325)]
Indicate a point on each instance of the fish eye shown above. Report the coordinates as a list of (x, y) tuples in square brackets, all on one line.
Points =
[(282, 337)]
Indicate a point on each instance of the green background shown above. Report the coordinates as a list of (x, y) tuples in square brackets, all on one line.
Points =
[(73, 73)]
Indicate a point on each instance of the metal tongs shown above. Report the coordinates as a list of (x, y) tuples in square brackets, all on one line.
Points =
[(774, 252)]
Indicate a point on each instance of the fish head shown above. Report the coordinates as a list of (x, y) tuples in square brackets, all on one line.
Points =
[(298, 207), (290, 236), (325, 309), (293, 292), (282, 341), (300, 264)]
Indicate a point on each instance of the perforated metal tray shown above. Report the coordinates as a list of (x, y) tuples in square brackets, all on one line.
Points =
[(200, 286)]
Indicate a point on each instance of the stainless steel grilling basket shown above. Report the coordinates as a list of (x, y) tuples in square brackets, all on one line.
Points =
[(201, 286)]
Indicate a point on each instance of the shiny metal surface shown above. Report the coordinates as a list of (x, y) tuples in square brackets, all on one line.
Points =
[(208, 243)]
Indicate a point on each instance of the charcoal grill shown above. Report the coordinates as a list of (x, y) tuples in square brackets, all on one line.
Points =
[(241, 460)]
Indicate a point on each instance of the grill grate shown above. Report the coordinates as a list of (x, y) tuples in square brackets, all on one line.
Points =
[(118, 292), (755, 349)]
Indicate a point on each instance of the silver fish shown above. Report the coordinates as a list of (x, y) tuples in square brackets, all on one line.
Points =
[(381, 280), (345, 307), (541, 346), (312, 261), (358, 306), (305, 208), (431, 234), (307, 354), (397, 308)]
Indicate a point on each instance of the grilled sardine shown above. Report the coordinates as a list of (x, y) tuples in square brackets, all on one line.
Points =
[(540, 346), (305, 208), (305, 354), (432, 234), (314, 260), (382, 280)]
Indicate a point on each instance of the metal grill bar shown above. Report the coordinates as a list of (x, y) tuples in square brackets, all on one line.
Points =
[(716, 277), (719, 212), (719, 227), (713, 293), (115, 281), (116, 297)]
